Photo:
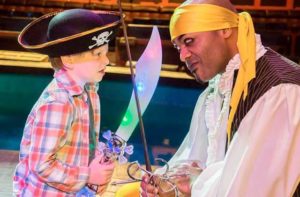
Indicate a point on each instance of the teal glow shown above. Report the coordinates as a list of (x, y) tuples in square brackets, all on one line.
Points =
[(140, 86)]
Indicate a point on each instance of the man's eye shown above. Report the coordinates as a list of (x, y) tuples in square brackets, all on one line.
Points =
[(188, 41)]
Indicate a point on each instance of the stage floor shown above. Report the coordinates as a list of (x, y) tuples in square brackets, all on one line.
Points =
[(8, 161)]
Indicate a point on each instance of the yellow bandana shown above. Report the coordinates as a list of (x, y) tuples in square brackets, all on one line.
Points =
[(206, 17)]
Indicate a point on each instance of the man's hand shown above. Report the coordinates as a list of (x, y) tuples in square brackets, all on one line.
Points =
[(187, 172), (184, 185), (100, 172)]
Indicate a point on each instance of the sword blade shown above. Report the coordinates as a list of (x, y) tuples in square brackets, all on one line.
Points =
[(146, 77)]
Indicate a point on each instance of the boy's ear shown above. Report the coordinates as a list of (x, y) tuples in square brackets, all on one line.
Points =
[(67, 61)]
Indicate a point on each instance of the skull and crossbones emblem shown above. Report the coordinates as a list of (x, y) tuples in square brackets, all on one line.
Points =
[(101, 39)]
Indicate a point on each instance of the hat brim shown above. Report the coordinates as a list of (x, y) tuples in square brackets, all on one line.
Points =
[(34, 37)]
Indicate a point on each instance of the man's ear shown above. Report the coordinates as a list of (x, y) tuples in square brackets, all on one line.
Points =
[(67, 61), (226, 33)]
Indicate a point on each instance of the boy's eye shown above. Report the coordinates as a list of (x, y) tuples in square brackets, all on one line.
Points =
[(97, 54)]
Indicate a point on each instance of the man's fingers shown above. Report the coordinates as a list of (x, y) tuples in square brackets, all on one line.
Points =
[(195, 164), (182, 178)]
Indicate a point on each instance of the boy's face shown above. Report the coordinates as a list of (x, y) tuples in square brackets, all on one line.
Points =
[(89, 66)]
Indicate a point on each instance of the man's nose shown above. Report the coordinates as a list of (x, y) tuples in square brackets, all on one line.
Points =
[(184, 54)]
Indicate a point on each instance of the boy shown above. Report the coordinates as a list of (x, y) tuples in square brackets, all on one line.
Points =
[(57, 152)]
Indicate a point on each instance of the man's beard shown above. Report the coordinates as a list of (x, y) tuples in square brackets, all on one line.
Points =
[(198, 79)]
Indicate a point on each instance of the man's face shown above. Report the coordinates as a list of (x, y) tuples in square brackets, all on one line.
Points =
[(204, 53), (90, 66)]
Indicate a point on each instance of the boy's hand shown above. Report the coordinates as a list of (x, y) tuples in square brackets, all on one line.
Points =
[(100, 171), (147, 189)]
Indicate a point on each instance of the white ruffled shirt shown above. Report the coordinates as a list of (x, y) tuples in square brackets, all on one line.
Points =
[(263, 157)]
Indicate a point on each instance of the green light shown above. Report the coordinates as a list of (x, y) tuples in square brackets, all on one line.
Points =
[(127, 119)]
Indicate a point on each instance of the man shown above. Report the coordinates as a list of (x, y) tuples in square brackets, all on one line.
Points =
[(246, 124)]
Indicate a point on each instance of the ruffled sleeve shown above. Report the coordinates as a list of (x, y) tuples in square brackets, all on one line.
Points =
[(263, 158)]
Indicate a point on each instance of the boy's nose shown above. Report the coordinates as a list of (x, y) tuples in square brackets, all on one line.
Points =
[(105, 60)]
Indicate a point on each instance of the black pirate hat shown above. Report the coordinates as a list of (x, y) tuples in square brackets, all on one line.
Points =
[(69, 32)]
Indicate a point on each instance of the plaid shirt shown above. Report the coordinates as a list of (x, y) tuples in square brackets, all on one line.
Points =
[(54, 152)]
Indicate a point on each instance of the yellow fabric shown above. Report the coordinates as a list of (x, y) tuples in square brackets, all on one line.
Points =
[(247, 49), (129, 190), (201, 17), (206, 17)]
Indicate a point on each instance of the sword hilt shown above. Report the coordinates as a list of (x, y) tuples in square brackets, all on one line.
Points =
[(115, 147)]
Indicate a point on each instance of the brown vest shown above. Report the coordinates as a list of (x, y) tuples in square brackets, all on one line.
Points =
[(272, 69)]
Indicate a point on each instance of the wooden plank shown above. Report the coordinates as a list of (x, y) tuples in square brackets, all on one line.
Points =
[(22, 56), (34, 60)]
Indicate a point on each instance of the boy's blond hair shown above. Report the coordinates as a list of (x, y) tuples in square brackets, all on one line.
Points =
[(56, 63)]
